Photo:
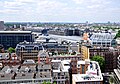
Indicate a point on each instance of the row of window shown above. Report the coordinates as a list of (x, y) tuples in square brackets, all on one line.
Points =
[(25, 81), (90, 83), (72, 58)]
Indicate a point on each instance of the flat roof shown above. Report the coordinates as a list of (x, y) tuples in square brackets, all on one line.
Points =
[(81, 77), (81, 62), (91, 73), (56, 71), (15, 31), (56, 61)]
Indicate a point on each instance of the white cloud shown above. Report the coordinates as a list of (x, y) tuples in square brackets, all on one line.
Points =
[(25, 1), (52, 10), (92, 3), (94, 6), (8, 4), (9, 11), (30, 6), (47, 7), (79, 1)]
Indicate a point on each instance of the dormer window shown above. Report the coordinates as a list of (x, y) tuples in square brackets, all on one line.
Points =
[(36, 47), (22, 47), (6, 55)]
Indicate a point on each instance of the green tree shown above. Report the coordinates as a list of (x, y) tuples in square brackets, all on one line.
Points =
[(111, 80), (118, 34), (11, 50), (100, 60), (54, 83), (46, 82)]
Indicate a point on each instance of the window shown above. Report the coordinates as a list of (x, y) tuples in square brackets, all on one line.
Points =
[(79, 65), (83, 69)]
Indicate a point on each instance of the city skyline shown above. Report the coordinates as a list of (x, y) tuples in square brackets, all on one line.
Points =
[(59, 10)]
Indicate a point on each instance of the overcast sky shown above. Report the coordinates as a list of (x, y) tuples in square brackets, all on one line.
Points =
[(60, 10)]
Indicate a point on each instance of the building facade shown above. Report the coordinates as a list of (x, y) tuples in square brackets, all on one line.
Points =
[(30, 50), (91, 73), (103, 39), (26, 73), (109, 54), (60, 71), (12, 38), (67, 57), (1, 25), (117, 72)]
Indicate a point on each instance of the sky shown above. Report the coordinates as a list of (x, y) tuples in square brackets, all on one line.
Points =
[(60, 10)]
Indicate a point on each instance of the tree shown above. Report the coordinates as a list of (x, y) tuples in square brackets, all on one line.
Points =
[(46, 82), (54, 83), (111, 80), (118, 34), (100, 60), (11, 50)]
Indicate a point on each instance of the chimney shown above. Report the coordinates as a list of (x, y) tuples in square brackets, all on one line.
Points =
[(38, 59), (47, 60)]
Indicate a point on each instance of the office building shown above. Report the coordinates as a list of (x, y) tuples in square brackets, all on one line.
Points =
[(103, 39), (73, 32), (12, 38), (1, 25)]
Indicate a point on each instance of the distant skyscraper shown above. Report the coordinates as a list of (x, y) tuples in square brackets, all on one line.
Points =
[(1, 25)]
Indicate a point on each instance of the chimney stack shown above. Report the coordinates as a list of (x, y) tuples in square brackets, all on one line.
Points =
[(47, 60)]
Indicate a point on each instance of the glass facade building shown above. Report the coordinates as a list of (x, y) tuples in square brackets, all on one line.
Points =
[(12, 38), (103, 39)]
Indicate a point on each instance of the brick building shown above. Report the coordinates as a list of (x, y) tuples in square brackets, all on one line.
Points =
[(109, 53)]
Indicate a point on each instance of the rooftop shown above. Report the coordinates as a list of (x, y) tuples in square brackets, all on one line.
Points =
[(92, 74), (85, 77), (102, 37), (15, 32), (25, 72), (4, 56)]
